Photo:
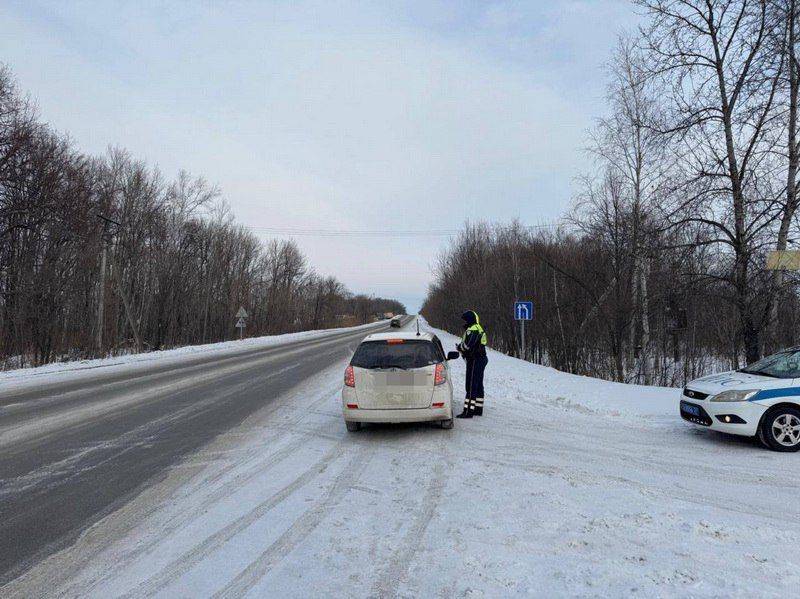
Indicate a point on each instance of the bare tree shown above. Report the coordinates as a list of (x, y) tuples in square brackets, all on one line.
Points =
[(713, 56), (635, 163), (165, 265), (783, 42)]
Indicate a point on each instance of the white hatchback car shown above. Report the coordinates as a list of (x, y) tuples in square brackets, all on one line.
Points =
[(762, 399), (400, 376)]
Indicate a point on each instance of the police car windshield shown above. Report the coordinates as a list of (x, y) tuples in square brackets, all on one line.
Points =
[(400, 353), (783, 365)]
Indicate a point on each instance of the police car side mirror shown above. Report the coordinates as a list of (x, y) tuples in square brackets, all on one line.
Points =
[(453, 355)]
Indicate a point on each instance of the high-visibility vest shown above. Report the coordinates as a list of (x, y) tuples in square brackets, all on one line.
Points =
[(475, 328)]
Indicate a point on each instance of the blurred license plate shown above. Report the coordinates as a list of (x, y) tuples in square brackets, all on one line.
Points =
[(690, 409), (405, 379)]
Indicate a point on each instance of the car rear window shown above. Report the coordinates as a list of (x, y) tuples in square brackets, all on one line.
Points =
[(405, 353)]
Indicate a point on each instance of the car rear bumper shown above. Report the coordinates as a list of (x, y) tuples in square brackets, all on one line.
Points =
[(405, 415), (712, 415)]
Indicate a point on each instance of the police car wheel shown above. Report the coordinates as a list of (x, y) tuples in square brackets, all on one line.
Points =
[(760, 436), (446, 424), (780, 429), (352, 426)]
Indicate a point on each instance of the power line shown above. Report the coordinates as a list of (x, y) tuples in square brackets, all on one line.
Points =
[(294, 231)]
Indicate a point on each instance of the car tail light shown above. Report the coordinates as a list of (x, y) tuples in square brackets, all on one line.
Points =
[(439, 376), (438, 404), (395, 341), (349, 377), (352, 406)]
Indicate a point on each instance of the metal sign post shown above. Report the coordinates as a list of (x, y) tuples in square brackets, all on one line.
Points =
[(240, 323), (523, 311)]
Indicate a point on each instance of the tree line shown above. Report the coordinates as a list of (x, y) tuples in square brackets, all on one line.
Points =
[(660, 272), (104, 255)]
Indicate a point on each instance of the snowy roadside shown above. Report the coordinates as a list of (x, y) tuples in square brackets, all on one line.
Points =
[(69, 371), (534, 385), (568, 486)]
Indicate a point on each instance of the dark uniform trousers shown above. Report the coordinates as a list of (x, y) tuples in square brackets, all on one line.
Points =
[(474, 381)]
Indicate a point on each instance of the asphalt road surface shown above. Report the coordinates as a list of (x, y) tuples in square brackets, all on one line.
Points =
[(73, 452)]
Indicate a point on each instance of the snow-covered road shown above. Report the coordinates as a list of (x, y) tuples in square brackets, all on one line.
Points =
[(568, 486)]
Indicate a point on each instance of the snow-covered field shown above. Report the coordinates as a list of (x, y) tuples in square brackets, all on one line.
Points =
[(567, 486)]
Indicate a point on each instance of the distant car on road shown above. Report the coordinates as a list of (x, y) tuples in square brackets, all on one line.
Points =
[(398, 377), (396, 321), (761, 400)]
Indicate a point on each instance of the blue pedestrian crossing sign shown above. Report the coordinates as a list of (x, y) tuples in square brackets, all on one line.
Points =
[(523, 310)]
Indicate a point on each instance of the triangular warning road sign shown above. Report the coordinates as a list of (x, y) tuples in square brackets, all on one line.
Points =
[(242, 313)]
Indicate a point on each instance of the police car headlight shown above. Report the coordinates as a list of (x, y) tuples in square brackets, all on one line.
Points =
[(734, 395)]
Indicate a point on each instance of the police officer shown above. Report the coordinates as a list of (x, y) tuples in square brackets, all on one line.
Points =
[(473, 349)]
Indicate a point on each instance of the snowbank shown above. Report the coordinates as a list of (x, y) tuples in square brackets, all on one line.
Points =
[(515, 382)]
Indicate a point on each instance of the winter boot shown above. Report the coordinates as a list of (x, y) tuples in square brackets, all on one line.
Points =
[(467, 413), (478, 409)]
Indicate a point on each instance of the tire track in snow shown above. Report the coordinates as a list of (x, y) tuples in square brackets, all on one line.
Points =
[(209, 498), (606, 461), (396, 570), (299, 531), (285, 429), (214, 542), (179, 522)]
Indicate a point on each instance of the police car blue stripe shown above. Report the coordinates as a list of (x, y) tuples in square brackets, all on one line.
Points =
[(773, 393)]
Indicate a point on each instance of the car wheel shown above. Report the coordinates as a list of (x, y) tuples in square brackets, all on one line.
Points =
[(446, 424), (760, 436), (352, 426), (780, 429)]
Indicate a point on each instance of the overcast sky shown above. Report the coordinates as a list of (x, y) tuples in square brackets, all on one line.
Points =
[(349, 116)]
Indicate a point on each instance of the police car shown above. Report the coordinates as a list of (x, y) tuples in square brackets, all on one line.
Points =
[(761, 400)]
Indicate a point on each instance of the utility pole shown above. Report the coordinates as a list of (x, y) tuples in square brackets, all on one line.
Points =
[(101, 296), (128, 310), (117, 273)]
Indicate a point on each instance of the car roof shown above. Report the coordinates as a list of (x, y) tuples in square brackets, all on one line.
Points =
[(423, 336)]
